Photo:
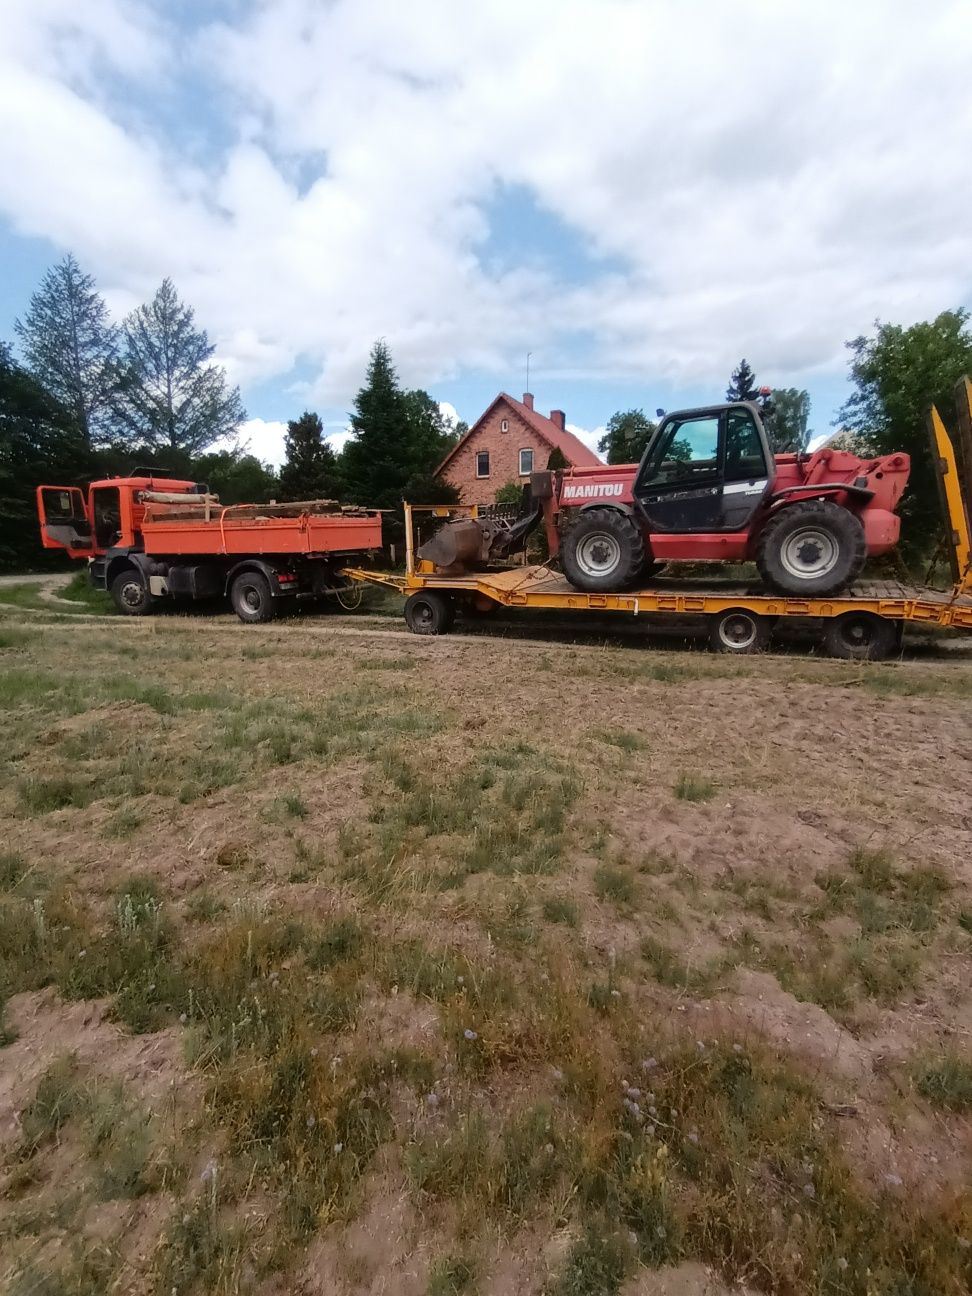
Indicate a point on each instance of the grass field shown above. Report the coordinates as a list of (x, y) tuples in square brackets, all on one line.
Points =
[(335, 960)]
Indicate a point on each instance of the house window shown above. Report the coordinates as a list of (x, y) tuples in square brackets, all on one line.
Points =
[(526, 462), (482, 463), (504, 425)]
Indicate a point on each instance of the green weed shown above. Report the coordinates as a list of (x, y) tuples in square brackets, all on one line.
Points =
[(946, 1082), (452, 1276), (615, 884), (693, 787), (561, 909)]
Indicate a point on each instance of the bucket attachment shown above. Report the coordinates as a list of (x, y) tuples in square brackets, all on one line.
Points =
[(470, 542)]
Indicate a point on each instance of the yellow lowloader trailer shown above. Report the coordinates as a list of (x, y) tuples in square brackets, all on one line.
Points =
[(865, 621)]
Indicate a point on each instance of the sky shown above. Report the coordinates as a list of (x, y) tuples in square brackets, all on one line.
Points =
[(636, 193)]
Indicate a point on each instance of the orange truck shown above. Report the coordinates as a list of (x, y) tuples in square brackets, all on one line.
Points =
[(149, 539)]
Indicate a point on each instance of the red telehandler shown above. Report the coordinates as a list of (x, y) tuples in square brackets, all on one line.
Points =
[(148, 538), (708, 489)]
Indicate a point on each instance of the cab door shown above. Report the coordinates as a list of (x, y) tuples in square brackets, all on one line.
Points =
[(679, 484), (748, 471), (64, 522)]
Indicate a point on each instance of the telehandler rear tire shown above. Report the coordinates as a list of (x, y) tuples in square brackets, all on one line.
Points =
[(603, 551), (813, 548)]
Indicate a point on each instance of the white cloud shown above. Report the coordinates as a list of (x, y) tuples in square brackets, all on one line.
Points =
[(263, 438), (769, 202), (590, 437), (449, 413)]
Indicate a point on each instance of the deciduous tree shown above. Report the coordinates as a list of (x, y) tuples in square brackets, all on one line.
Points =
[(626, 436), (897, 373), (787, 419)]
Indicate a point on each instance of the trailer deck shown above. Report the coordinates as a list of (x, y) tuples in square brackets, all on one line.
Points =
[(539, 587)]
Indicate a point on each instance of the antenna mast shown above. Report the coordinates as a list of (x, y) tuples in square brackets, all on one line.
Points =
[(529, 354)]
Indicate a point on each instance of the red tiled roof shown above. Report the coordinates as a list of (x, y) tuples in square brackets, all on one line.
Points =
[(572, 448)]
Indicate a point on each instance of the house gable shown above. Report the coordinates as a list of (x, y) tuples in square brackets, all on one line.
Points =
[(507, 427)]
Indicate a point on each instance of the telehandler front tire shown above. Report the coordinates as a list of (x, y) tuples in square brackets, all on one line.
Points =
[(603, 551), (814, 548)]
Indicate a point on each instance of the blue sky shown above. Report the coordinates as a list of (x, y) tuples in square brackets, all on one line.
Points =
[(607, 184)]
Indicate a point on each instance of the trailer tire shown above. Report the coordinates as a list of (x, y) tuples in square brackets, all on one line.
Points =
[(862, 636), (739, 631), (251, 599), (429, 613), (130, 594), (604, 551), (814, 548)]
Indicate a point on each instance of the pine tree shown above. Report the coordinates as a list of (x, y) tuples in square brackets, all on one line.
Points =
[(172, 396), (399, 439), (71, 347), (743, 385), (310, 470)]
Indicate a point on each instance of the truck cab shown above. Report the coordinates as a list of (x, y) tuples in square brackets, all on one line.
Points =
[(110, 517)]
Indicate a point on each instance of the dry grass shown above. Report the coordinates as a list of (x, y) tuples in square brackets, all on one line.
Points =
[(411, 913)]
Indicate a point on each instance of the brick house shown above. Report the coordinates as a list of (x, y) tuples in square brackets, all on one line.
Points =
[(506, 444)]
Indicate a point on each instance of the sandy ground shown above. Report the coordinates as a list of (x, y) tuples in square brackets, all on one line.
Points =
[(805, 760)]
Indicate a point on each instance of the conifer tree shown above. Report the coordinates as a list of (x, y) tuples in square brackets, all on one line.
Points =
[(310, 470)]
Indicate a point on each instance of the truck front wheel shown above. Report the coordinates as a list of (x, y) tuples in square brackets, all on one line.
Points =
[(130, 593), (603, 551), (251, 598)]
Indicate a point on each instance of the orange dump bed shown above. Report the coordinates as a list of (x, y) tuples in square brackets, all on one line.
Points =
[(248, 529)]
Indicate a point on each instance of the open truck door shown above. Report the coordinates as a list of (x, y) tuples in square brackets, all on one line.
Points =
[(64, 521)]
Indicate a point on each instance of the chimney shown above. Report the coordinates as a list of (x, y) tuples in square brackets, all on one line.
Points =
[(558, 417), (528, 399)]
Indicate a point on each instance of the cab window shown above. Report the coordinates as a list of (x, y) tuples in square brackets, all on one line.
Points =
[(63, 506), (688, 453), (107, 516), (745, 460)]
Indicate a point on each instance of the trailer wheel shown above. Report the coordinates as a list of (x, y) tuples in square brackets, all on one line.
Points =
[(603, 551), (251, 598), (862, 636), (429, 613), (812, 548), (737, 630), (130, 594)]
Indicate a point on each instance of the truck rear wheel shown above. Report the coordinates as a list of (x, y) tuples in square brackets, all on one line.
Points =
[(251, 598), (813, 548), (130, 594), (862, 636), (603, 551), (429, 613)]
